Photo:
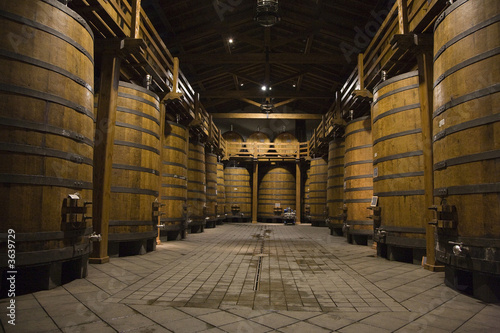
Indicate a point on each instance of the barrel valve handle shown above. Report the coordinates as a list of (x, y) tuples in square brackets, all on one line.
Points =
[(95, 237), (458, 248)]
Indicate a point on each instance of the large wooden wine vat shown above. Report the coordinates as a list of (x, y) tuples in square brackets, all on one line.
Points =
[(358, 180), (233, 137), (211, 176), (174, 180), (238, 192), (398, 169), (136, 171), (221, 193), (286, 144), (335, 186), (46, 142), (276, 189), (317, 191), (258, 137), (196, 196), (466, 125)]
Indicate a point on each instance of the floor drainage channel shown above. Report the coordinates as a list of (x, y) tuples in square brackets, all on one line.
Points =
[(262, 236)]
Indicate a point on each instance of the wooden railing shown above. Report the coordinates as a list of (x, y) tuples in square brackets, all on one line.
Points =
[(267, 150), (405, 18), (146, 53)]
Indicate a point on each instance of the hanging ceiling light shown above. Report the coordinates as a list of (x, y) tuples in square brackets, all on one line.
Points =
[(267, 12)]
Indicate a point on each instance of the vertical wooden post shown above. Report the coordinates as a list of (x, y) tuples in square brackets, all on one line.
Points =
[(136, 19), (338, 106), (255, 188), (315, 140), (103, 150), (362, 92), (219, 138), (403, 16), (323, 126), (163, 112), (361, 71), (298, 194), (425, 69), (210, 128)]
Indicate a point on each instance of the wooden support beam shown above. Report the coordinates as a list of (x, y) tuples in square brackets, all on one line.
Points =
[(103, 147), (258, 93), (197, 115), (255, 189), (361, 71), (298, 187), (175, 93), (303, 116), (323, 127), (260, 58), (425, 69), (288, 101), (249, 101), (210, 128), (403, 16), (163, 111), (362, 92), (136, 19)]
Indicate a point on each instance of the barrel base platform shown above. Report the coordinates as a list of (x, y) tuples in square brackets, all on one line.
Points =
[(483, 286), (29, 279), (173, 233), (211, 223), (359, 237), (131, 247), (238, 218), (319, 223), (399, 253), (270, 219), (408, 250), (336, 229), (196, 226)]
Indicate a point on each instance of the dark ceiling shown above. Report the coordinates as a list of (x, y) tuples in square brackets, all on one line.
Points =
[(303, 57)]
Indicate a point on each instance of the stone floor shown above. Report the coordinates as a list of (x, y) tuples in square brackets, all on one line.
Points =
[(254, 278)]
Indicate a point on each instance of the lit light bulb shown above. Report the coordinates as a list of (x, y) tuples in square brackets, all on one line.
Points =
[(264, 88)]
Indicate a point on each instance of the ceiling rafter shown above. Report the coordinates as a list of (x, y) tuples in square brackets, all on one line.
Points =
[(304, 49)]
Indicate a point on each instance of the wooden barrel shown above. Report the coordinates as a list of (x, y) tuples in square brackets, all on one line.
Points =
[(277, 187), (258, 137), (317, 191), (399, 166), (466, 125), (358, 179), (173, 191), (135, 180), (46, 140), (234, 137), (221, 191), (335, 185), (238, 191), (286, 144), (197, 198), (211, 174)]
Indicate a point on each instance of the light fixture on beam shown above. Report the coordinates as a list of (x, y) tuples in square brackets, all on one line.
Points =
[(267, 13), (267, 106)]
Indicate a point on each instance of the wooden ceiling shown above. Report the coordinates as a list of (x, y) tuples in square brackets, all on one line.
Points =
[(301, 57)]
